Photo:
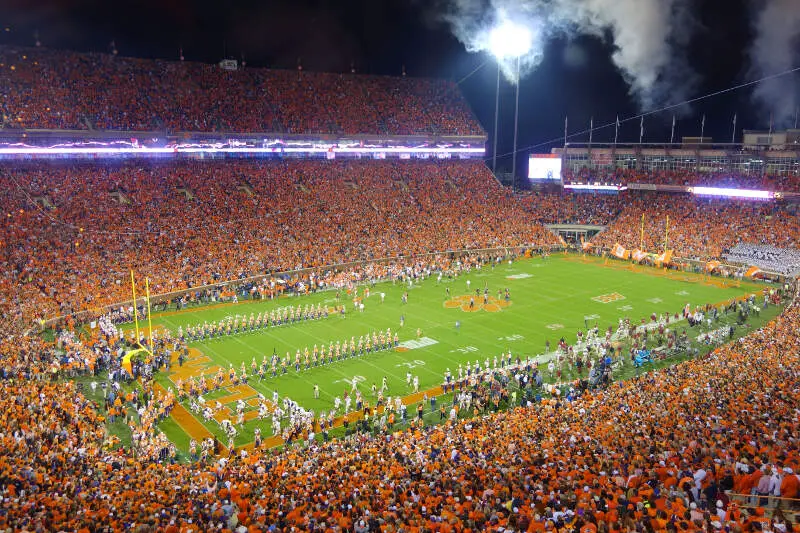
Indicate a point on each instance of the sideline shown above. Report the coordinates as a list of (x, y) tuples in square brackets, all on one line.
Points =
[(675, 275)]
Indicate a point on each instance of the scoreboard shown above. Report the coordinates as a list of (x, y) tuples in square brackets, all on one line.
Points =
[(544, 167)]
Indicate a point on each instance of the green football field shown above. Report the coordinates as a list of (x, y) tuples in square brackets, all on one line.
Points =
[(549, 299)]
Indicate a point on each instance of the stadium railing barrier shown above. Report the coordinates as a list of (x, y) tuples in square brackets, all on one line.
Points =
[(753, 501), (697, 265), (156, 299)]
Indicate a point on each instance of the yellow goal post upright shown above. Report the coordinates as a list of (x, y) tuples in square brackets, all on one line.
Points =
[(139, 348)]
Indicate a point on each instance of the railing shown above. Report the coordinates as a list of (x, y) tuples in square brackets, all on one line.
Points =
[(82, 316), (700, 265), (752, 501)]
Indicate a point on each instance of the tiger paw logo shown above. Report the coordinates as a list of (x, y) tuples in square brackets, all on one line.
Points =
[(470, 304)]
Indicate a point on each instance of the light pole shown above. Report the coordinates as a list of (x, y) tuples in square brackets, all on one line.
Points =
[(496, 114), (509, 40), (516, 123)]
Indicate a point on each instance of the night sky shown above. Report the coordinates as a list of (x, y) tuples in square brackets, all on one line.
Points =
[(576, 78)]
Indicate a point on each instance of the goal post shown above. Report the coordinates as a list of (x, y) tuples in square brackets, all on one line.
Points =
[(149, 347), (135, 307)]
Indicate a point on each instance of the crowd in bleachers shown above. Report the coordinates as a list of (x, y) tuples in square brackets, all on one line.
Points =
[(699, 228), (655, 454), (724, 179), (245, 219), (73, 231), (41, 88), (658, 453), (784, 261), (571, 208)]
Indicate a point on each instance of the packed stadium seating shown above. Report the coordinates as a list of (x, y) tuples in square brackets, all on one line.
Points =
[(568, 208), (65, 221), (64, 90), (700, 229), (784, 261), (655, 454), (245, 219)]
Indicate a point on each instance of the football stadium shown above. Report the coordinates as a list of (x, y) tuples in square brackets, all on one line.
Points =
[(248, 299)]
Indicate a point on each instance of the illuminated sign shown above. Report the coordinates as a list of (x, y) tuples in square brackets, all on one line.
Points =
[(731, 193), (594, 187), (544, 167)]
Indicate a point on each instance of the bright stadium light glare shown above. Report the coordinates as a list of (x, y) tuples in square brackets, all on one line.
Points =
[(509, 40)]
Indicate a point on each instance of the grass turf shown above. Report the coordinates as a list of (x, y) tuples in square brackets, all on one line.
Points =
[(549, 298)]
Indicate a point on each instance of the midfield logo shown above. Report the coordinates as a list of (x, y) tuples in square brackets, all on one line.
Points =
[(608, 298)]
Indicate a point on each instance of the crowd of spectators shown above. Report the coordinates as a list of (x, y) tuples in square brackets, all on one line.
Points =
[(784, 261), (572, 208), (658, 453), (685, 177), (41, 88), (194, 224), (654, 454), (699, 228), (73, 231)]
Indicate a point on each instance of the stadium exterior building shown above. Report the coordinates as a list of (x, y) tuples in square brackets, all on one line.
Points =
[(760, 153)]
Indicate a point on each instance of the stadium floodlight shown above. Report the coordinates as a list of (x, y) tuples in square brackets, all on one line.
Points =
[(510, 40)]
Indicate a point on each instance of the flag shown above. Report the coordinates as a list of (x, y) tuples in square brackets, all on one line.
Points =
[(591, 128), (733, 135), (641, 129), (616, 130), (752, 271), (702, 127), (127, 364), (672, 133), (619, 251), (566, 119), (664, 258)]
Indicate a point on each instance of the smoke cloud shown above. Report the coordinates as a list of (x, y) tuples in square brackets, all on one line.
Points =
[(647, 36), (776, 48)]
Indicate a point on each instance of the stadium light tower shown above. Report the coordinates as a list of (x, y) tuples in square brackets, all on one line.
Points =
[(508, 40)]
